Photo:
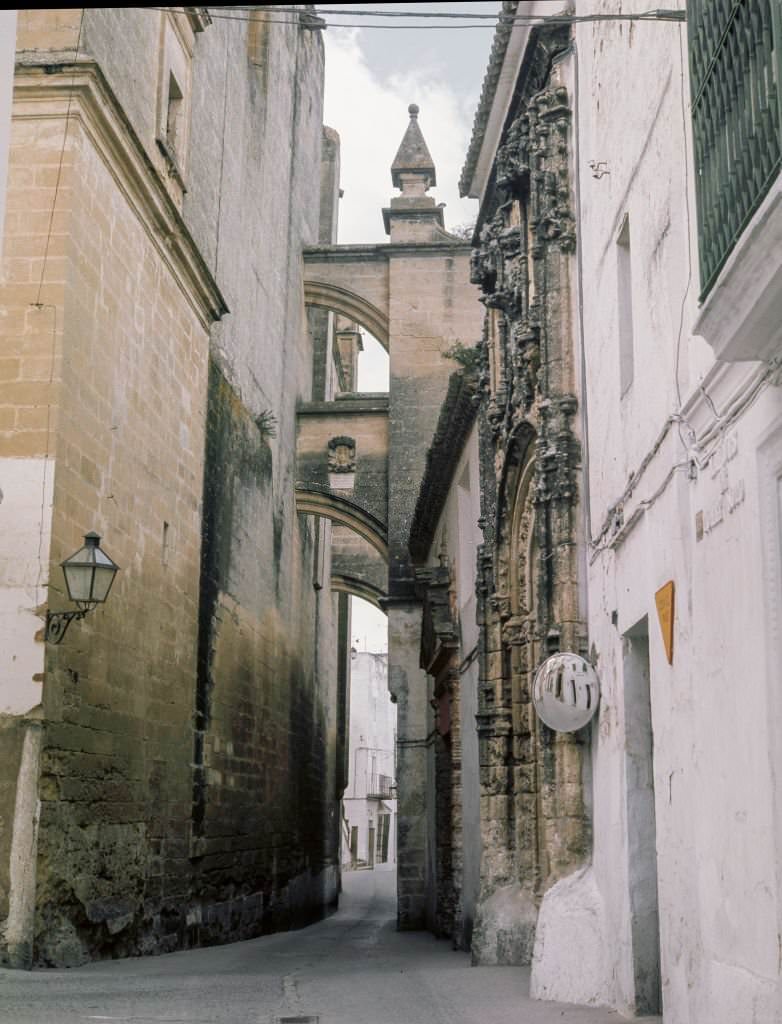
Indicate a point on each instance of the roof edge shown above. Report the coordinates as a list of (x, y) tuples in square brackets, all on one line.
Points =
[(457, 415), (499, 48)]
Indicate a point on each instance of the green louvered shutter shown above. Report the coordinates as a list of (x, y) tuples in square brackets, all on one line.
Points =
[(735, 73)]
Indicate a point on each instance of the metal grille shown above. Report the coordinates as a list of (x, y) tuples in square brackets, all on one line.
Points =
[(735, 69)]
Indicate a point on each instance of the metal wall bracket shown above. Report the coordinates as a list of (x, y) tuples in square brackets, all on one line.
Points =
[(57, 624)]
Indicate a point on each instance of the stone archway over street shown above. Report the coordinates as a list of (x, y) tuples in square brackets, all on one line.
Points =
[(361, 458)]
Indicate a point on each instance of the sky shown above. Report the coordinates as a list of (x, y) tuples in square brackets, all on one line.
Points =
[(372, 76)]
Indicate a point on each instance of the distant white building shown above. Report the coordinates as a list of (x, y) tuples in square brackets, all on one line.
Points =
[(369, 802)]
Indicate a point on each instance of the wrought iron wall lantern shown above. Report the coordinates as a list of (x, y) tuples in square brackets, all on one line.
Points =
[(89, 574)]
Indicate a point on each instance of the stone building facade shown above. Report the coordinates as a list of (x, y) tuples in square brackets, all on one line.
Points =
[(169, 772), (444, 539), (522, 382), (534, 816), (414, 295)]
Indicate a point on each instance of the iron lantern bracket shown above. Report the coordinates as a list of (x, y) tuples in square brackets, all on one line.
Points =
[(57, 624)]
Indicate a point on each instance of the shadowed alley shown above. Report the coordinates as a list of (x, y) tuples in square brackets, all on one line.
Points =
[(353, 968)]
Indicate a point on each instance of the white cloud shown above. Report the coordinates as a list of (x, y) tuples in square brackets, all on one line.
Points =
[(371, 117)]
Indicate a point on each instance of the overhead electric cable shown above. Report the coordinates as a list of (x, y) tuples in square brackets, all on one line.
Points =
[(313, 20), (665, 14)]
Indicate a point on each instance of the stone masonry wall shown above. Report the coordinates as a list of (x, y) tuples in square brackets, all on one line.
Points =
[(154, 835), (264, 790), (30, 372), (115, 782), (435, 282)]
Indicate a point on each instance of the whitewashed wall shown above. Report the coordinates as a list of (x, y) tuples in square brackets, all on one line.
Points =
[(715, 711)]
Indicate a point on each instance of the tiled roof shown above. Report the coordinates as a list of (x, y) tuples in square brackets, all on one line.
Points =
[(496, 57), (457, 415)]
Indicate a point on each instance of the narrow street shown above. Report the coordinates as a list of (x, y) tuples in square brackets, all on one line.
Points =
[(353, 968)]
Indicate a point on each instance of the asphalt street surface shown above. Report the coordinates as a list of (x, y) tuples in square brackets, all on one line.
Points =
[(352, 968)]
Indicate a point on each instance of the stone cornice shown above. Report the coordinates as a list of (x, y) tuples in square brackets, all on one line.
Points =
[(381, 251), (457, 416), (360, 404), (79, 91)]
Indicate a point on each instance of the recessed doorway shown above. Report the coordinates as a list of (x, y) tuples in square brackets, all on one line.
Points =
[(641, 820)]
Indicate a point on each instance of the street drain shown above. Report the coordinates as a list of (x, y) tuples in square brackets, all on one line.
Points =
[(298, 1020)]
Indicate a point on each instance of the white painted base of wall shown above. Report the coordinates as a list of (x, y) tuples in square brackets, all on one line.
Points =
[(25, 530), (21, 655), (20, 923), (568, 963)]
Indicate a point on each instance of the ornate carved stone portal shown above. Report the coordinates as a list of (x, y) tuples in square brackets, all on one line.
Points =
[(534, 827)]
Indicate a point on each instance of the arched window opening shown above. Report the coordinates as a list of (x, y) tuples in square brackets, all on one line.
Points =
[(373, 366)]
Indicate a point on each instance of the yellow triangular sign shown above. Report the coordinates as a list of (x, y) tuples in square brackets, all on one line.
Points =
[(664, 601)]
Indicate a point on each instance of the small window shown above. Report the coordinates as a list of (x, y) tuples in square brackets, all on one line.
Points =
[(174, 116)]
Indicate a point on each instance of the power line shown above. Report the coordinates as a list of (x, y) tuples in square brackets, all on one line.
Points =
[(661, 14), (312, 20), (471, 15), (316, 22)]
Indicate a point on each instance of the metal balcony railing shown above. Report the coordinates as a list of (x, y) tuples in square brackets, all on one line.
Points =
[(380, 787), (735, 74)]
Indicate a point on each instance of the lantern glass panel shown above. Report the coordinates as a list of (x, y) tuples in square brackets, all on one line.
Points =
[(103, 578), (78, 579)]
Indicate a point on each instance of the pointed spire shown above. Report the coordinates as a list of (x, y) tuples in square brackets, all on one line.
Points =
[(413, 156), (414, 216)]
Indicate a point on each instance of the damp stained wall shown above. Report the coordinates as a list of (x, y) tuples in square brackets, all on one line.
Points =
[(187, 722)]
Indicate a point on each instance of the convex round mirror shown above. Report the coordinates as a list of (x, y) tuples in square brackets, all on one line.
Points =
[(566, 692)]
